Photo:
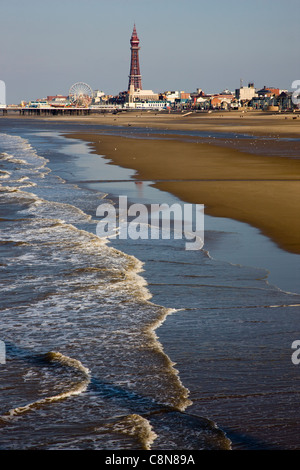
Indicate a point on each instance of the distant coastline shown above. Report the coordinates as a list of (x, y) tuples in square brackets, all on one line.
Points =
[(254, 122), (257, 184)]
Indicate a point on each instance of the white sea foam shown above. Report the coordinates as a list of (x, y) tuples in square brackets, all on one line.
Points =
[(68, 290), (83, 271), (135, 426)]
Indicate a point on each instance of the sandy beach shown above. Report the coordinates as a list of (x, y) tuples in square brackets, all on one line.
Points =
[(250, 187), (249, 122), (249, 180)]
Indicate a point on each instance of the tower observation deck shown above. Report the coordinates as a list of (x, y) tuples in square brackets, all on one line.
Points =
[(135, 77)]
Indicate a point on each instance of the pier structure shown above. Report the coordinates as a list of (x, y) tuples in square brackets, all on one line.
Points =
[(59, 111), (52, 111)]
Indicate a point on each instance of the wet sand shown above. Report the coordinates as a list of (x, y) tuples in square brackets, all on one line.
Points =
[(252, 181), (248, 122)]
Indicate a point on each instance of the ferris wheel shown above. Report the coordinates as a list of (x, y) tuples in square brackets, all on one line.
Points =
[(80, 94)]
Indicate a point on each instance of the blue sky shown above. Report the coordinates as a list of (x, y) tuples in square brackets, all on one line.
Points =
[(46, 46)]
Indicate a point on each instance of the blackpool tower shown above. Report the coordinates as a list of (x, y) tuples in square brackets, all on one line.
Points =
[(135, 77)]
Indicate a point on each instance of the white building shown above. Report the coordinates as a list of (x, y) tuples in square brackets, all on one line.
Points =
[(97, 96), (173, 95), (143, 99), (156, 105), (40, 104), (141, 95), (2, 94), (245, 93)]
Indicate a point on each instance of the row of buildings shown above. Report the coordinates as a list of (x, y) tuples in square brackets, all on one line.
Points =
[(244, 97)]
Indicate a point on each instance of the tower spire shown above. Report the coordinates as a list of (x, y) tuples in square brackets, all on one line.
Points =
[(135, 77)]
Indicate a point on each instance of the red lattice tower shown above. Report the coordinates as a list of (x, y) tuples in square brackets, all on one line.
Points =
[(135, 77)]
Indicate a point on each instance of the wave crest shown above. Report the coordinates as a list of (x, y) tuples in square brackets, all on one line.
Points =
[(75, 389)]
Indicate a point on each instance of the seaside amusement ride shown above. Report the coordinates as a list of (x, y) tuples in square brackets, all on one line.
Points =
[(80, 95)]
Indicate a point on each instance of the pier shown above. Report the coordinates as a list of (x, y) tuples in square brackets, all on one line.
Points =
[(55, 111)]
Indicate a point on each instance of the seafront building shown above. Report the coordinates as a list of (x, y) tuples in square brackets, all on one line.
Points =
[(136, 97), (135, 78), (245, 93)]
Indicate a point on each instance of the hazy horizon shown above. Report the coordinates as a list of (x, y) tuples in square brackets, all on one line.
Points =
[(48, 46)]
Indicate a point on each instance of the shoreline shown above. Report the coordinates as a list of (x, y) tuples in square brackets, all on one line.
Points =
[(190, 326), (212, 386), (260, 191), (252, 181), (255, 122)]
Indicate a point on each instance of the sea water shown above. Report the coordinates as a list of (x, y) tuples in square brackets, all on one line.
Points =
[(93, 328)]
